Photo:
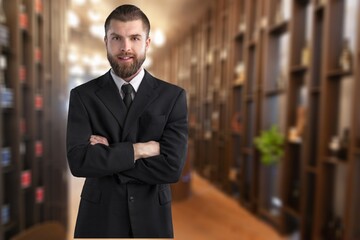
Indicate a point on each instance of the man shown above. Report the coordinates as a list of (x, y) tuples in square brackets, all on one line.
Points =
[(129, 149)]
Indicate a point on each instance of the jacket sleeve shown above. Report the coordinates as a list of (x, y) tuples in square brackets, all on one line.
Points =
[(86, 160), (166, 167)]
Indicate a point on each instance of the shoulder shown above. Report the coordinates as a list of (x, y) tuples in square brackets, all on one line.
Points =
[(164, 85)]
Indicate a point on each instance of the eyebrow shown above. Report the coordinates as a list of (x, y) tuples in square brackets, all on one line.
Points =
[(132, 35)]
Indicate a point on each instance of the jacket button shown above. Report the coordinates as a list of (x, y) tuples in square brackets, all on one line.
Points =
[(131, 199)]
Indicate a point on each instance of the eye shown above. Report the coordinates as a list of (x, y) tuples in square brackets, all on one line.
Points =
[(115, 38), (135, 38)]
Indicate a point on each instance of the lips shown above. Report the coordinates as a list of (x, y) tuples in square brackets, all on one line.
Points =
[(125, 58)]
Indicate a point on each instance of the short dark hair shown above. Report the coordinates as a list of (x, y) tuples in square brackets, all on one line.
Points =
[(126, 13)]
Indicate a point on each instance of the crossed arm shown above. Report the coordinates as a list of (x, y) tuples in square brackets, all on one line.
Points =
[(141, 150), (146, 162)]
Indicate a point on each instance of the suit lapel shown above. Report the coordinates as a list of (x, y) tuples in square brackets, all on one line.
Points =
[(109, 94), (144, 96)]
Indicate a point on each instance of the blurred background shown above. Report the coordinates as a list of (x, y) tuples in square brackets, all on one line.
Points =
[(274, 145)]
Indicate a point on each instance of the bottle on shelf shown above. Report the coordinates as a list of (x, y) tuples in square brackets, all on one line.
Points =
[(5, 156), (240, 73), (345, 60), (242, 24), (236, 125), (305, 55), (322, 2), (334, 146), (334, 229), (344, 144), (279, 17), (5, 214), (2, 13)]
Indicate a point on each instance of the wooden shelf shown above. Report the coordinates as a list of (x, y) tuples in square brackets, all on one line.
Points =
[(275, 219), (294, 213), (337, 73), (279, 28), (357, 151), (31, 55), (239, 35), (319, 8), (335, 161), (249, 98), (10, 226), (268, 51), (252, 43), (310, 169), (315, 90), (238, 84), (273, 92), (8, 169), (248, 151), (299, 69)]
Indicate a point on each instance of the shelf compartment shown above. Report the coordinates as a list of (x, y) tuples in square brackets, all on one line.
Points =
[(308, 215), (276, 72), (292, 177), (334, 198), (354, 208), (247, 181), (317, 50), (270, 190)]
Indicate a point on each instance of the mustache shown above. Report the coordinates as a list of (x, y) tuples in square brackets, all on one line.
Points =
[(126, 54)]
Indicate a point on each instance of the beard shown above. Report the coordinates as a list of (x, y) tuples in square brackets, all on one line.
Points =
[(126, 70)]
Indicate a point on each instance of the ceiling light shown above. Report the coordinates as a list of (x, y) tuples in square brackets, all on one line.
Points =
[(73, 57), (97, 30), (97, 60), (159, 38), (73, 19), (77, 70), (93, 15), (79, 2), (86, 60)]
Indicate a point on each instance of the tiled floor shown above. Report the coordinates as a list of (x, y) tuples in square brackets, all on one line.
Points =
[(207, 214)]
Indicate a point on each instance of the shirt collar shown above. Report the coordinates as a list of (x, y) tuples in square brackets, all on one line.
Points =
[(135, 82)]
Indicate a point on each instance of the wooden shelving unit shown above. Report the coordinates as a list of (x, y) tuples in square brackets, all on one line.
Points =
[(33, 186), (294, 64)]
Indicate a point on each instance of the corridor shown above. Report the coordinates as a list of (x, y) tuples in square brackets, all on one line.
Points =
[(208, 214)]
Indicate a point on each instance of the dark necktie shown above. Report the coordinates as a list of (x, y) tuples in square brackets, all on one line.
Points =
[(127, 90)]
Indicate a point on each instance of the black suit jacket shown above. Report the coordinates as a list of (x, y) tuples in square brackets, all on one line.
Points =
[(119, 195)]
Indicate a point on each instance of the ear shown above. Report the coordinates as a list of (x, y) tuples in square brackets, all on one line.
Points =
[(147, 43), (105, 40)]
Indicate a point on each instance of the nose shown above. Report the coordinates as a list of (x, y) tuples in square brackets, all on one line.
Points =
[(125, 45)]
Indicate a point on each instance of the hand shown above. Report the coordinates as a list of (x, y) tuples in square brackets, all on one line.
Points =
[(145, 150), (95, 139)]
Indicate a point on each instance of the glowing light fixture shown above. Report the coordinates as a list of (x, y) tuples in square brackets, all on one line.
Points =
[(158, 38), (73, 57), (73, 19), (94, 16), (77, 70), (79, 2), (97, 30)]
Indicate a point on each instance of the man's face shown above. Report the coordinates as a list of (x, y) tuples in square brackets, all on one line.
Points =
[(126, 46)]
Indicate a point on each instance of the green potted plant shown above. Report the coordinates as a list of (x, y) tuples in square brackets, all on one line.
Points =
[(270, 145)]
